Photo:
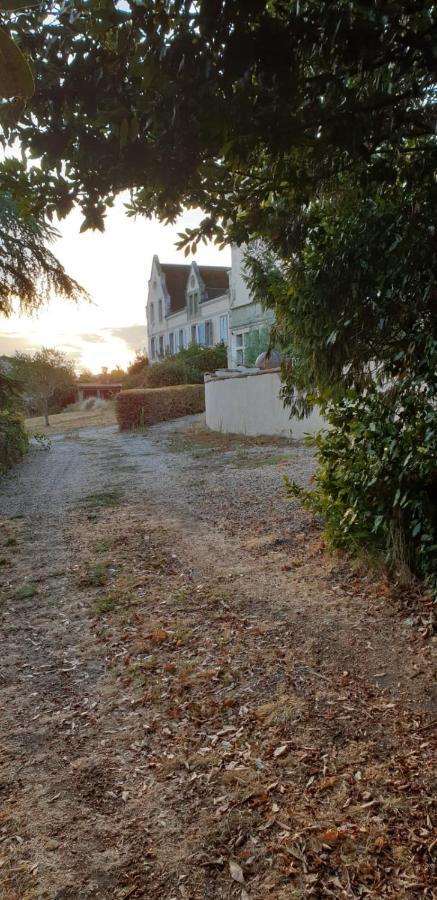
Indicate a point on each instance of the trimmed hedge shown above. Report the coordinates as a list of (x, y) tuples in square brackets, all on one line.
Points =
[(13, 439), (147, 406)]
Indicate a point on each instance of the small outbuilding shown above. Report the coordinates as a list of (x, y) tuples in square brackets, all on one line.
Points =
[(85, 389)]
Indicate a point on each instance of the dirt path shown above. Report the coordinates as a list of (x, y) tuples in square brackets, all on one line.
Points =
[(196, 700)]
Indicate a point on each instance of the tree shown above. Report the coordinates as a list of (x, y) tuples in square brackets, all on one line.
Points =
[(138, 366), (212, 105), (29, 272), (308, 125), (42, 373), (13, 437)]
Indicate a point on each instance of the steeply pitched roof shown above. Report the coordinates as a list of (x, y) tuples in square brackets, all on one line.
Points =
[(215, 279), (176, 282)]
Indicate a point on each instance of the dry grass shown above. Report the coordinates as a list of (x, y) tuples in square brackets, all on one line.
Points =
[(71, 420), (199, 437)]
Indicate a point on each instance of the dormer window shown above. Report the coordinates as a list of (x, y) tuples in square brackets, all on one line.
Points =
[(152, 314), (192, 281), (160, 310)]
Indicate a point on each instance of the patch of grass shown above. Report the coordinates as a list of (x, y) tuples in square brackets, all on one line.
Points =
[(25, 591), (73, 419), (105, 603), (182, 598), (203, 439), (96, 575), (245, 461), (126, 467), (11, 541), (102, 499), (103, 545)]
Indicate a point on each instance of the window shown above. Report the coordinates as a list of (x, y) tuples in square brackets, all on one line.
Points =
[(193, 334), (224, 329), (161, 345), (152, 348), (171, 342), (181, 338), (160, 310), (239, 349), (209, 333), (201, 339), (152, 313), (192, 281), (192, 303)]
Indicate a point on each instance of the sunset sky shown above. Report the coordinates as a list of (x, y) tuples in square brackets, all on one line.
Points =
[(114, 267)]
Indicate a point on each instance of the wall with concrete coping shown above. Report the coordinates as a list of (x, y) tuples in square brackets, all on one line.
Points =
[(249, 403)]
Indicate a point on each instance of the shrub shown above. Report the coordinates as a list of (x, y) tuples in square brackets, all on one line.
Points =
[(376, 485), (135, 380), (204, 359), (141, 407), (257, 341), (167, 373), (13, 439), (186, 366)]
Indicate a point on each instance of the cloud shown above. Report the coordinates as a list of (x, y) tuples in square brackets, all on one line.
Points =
[(9, 343), (132, 335), (92, 338)]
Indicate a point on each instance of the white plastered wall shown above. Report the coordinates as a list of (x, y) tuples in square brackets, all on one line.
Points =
[(250, 404)]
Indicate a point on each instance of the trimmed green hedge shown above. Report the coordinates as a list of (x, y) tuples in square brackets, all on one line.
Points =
[(147, 406), (13, 439)]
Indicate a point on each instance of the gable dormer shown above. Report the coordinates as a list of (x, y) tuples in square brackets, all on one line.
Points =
[(194, 291)]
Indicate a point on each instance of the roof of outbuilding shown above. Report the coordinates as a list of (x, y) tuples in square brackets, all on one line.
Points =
[(215, 279)]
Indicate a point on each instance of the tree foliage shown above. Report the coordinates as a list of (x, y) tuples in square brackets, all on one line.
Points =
[(226, 107), (29, 271), (187, 366), (42, 373), (13, 438)]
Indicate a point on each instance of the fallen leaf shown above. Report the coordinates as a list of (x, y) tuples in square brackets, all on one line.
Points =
[(331, 836), (280, 751), (236, 871)]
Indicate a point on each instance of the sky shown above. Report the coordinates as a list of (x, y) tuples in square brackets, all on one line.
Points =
[(114, 267)]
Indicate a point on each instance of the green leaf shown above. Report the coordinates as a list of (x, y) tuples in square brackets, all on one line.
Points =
[(16, 79)]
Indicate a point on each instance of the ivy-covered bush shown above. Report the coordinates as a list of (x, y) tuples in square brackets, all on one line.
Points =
[(376, 485), (13, 439)]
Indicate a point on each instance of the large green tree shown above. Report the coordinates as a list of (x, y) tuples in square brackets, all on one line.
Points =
[(42, 373), (231, 107)]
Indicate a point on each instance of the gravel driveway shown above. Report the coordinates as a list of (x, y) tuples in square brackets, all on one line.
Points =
[(196, 699)]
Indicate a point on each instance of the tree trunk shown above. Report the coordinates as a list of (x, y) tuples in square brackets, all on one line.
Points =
[(45, 411)]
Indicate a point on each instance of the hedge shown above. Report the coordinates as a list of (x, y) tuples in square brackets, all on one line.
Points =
[(13, 439), (147, 406)]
